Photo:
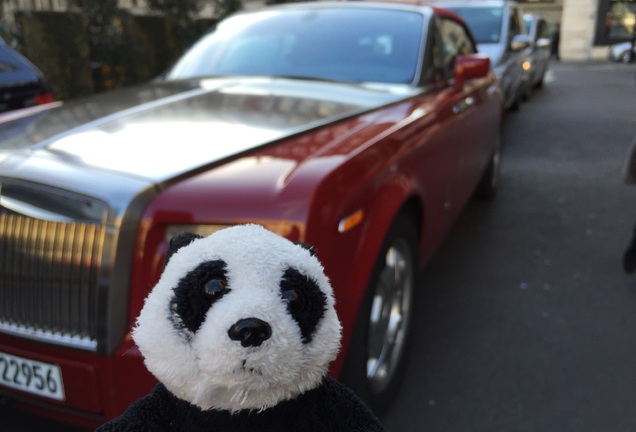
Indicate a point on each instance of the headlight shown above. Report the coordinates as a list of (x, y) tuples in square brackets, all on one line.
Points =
[(290, 230), (202, 230)]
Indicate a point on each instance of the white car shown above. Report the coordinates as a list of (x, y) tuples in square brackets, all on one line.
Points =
[(621, 52)]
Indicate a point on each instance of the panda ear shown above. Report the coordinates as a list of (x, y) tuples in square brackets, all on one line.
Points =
[(309, 247), (177, 242)]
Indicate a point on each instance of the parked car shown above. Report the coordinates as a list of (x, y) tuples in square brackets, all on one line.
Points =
[(538, 53), (21, 83), (343, 125), (624, 52), (499, 30)]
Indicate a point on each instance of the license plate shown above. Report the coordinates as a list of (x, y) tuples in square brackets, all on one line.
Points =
[(31, 376)]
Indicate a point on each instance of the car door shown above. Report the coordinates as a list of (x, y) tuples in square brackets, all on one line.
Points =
[(468, 118), (514, 57)]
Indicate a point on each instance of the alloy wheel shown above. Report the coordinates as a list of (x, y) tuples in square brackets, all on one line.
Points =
[(390, 315)]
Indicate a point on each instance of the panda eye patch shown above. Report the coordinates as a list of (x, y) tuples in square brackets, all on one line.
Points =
[(215, 288), (305, 301), (195, 294)]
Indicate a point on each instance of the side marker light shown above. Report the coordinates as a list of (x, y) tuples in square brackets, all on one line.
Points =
[(351, 221)]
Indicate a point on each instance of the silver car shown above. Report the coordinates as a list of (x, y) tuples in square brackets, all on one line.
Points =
[(538, 53), (499, 30)]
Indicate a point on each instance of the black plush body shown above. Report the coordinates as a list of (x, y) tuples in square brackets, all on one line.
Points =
[(330, 407)]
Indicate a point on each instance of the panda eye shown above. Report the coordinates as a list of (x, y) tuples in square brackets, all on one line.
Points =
[(214, 288), (294, 298)]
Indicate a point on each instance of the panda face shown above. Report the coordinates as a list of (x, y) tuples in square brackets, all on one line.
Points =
[(198, 290), (242, 319)]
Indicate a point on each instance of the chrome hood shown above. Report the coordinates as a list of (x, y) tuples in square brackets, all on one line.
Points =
[(164, 130)]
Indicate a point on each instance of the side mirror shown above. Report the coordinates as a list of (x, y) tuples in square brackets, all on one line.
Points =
[(520, 42), (470, 66), (543, 43)]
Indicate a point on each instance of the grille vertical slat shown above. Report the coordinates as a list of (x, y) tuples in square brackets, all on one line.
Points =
[(49, 277), (93, 252), (59, 288), (75, 298), (19, 269), (13, 295), (36, 294), (30, 266), (47, 289)]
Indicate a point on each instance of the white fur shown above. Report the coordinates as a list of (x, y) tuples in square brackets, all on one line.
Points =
[(212, 371)]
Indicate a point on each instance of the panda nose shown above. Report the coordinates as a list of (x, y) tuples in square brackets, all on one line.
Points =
[(251, 332)]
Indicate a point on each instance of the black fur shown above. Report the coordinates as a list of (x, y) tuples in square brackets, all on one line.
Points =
[(177, 242), (190, 303), (306, 303), (309, 247), (331, 407)]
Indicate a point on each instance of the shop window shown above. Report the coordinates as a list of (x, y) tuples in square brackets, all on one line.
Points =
[(616, 21), (621, 19)]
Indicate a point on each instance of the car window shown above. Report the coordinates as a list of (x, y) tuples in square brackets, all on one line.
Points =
[(455, 41), (542, 29), (351, 45), (528, 23), (433, 70), (484, 22)]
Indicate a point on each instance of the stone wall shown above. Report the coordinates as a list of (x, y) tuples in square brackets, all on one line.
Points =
[(577, 31), (58, 44)]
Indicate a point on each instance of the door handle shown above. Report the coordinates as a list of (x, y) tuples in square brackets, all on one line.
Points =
[(463, 105)]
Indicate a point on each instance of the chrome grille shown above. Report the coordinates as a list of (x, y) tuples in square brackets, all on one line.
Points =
[(49, 279)]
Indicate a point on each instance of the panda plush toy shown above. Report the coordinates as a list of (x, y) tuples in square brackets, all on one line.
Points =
[(239, 331)]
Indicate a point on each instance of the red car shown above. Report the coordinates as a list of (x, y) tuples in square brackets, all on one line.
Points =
[(360, 128)]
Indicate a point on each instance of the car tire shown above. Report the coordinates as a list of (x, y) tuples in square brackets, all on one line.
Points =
[(626, 57), (527, 92), (516, 104), (374, 365), (540, 81), (489, 182)]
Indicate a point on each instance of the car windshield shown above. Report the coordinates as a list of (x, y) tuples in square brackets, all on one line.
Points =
[(484, 22), (350, 45)]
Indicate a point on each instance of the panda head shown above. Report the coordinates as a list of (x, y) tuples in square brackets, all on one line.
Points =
[(242, 319)]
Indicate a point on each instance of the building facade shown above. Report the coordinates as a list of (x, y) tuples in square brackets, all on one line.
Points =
[(587, 27)]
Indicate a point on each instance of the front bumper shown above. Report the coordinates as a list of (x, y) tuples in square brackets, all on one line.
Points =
[(96, 388)]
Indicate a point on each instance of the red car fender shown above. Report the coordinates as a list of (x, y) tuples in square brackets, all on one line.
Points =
[(382, 210), (349, 257)]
